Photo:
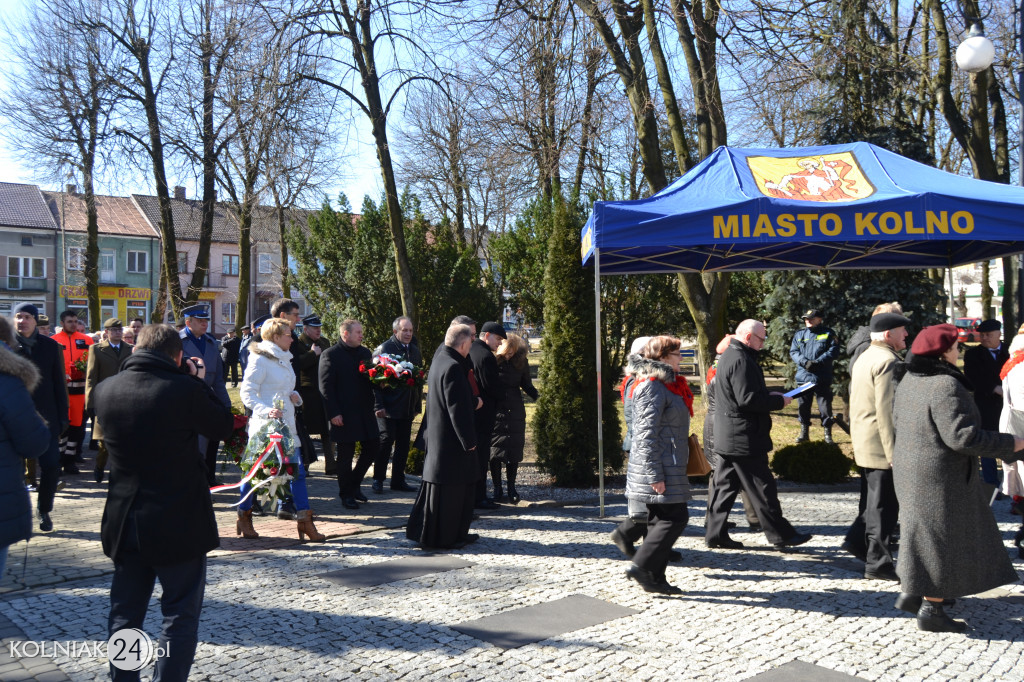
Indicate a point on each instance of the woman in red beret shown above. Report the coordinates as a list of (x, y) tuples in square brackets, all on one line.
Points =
[(950, 545)]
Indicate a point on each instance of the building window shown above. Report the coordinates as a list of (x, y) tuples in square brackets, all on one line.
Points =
[(76, 258), (265, 264), (26, 273), (229, 265), (108, 266), (136, 309), (108, 309), (26, 241), (138, 261), (183, 262), (227, 313)]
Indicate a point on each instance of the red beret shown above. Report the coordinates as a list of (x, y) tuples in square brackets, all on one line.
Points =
[(934, 341)]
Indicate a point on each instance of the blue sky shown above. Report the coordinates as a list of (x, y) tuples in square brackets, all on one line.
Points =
[(361, 172)]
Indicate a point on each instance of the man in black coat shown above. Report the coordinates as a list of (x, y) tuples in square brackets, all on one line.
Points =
[(312, 344), (982, 365), (50, 398), (158, 519), (444, 507), (485, 370), (742, 430), (229, 347), (400, 406), (349, 404)]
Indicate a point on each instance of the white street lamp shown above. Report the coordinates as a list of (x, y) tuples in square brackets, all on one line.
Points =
[(977, 52)]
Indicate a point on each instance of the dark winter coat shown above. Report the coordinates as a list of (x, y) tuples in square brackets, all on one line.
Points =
[(743, 405), (229, 350), (104, 362), (509, 436), (982, 371), (813, 350), (313, 415), (485, 369), (451, 432), (156, 471), (709, 417), (51, 394), (400, 403), (857, 344), (661, 426), (347, 392), (23, 435), (627, 399), (950, 545)]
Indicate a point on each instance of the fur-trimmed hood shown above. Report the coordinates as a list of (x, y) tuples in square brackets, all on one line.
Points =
[(644, 368), (22, 368), (271, 350)]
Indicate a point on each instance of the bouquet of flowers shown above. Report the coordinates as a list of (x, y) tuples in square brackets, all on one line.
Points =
[(79, 366), (235, 446), (394, 372), (268, 459)]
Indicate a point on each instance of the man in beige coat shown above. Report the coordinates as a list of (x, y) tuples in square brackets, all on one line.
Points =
[(105, 360), (872, 389)]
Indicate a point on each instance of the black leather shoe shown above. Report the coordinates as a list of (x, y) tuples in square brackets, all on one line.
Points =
[(675, 555), (665, 587), (468, 540), (649, 582), (623, 543), (378, 487), (97, 475), (729, 525), (71, 470), (1018, 540), (513, 495), (257, 508), (358, 496), (287, 511), (485, 503), (403, 487), (884, 573), (724, 543), (932, 618), (798, 539), (349, 503), (45, 524)]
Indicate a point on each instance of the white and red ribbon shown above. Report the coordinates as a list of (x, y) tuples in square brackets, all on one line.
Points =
[(273, 481)]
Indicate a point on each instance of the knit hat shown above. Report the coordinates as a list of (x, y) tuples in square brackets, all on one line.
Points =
[(27, 308)]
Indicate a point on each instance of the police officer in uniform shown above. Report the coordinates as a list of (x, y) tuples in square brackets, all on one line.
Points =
[(814, 349), (196, 343)]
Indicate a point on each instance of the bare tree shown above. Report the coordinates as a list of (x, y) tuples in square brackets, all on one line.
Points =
[(60, 101)]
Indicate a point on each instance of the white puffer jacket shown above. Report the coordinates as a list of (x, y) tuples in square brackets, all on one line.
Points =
[(268, 374)]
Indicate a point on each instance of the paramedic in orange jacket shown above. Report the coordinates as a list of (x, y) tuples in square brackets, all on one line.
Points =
[(75, 349)]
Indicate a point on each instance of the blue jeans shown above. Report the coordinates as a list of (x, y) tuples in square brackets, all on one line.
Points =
[(298, 485), (182, 600)]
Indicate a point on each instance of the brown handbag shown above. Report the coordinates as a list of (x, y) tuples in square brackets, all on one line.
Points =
[(697, 464)]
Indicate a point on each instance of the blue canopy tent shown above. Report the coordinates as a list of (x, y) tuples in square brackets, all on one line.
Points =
[(854, 206)]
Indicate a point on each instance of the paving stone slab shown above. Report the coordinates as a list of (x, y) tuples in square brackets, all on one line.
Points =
[(530, 624), (800, 671), (383, 572)]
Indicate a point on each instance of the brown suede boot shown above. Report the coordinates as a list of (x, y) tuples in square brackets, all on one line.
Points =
[(306, 527), (243, 526)]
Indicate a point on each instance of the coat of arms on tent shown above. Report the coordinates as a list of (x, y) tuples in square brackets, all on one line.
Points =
[(829, 178)]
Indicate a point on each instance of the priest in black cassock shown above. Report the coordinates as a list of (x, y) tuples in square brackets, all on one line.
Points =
[(444, 507)]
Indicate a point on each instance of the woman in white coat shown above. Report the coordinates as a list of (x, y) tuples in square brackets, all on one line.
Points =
[(1013, 401), (269, 374)]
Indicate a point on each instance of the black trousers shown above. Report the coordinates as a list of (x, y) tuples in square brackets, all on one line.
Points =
[(394, 433), (231, 368), (483, 459), (212, 448), (751, 475), (872, 531), (748, 509), (350, 479), (823, 395), (665, 523)]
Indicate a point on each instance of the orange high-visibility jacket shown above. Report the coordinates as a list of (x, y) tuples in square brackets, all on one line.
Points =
[(75, 346)]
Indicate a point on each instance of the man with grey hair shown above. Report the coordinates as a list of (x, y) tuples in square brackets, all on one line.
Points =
[(872, 390), (444, 507), (400, 406), (742, 426)]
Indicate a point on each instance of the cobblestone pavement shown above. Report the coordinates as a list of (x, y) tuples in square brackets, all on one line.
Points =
[(268, 613)]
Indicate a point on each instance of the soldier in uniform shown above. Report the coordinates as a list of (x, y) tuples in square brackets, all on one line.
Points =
[(104, 362), (75, 347), (200, 346), (309, 388)]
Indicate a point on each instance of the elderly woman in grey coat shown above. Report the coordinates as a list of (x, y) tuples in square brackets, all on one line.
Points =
[(656, 475), (950, 545)]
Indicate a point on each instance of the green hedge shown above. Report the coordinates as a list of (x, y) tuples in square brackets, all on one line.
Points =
[(812, 462)]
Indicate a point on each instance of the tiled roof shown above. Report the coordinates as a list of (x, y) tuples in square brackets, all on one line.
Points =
[(188, 216), (23, 206), (115, 215)]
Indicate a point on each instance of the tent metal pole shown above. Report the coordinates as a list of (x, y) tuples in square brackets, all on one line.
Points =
[(952, 315), (600, 414)]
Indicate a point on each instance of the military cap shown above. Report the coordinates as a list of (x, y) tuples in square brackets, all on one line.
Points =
[(257, 324), (43, 320), (883, 322), (493, 328), (200, 311), (990, 326), (312, 321), (112, 322)]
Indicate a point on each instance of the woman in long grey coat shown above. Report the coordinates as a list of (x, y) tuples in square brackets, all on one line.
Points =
[(950, 545), (656, 475)]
